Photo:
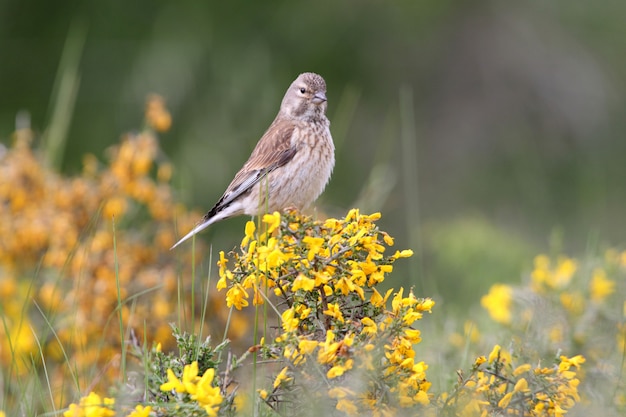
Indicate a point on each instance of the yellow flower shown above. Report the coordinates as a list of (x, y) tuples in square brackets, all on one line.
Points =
[(236, 296), (140, 411), (495, 353), (347, 407), (600, 287), (303, 312), (566, 362), (396, 302), (521, 385), (307, 346), (221, 283), (522, 369), (314, 244), (369, 326), (502, 356), (328, 290), (290, 322), (223, 272), (377, 300), (413, 335), (339, 370), (272, 221), (173, 383), (206, 394), (190, 373), (555, 334), (348, 340), (323, 277), (498, 303), (201, 389), (164, 172), (421, 398), (406, 253), (248, 235), (564, 272), (157, 115), (388, 239), (343, 403), (302, 283), (504, 401), (281, 377), (411, 316), (222, 262), (328, 349), (425, 304), (91, 406), (334, 311), (72, 411), (20, 338), (114, 207), (346, 286), (573, 302), (372, 217), (480, 360), (374, 248), (555, 278), (352, 215)]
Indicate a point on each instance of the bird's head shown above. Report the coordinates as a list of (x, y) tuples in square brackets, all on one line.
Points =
[(306, 98)]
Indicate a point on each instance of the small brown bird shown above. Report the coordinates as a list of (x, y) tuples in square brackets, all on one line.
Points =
[(291, 164)]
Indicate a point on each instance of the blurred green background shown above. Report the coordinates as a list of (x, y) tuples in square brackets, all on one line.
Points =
[(484, 131)]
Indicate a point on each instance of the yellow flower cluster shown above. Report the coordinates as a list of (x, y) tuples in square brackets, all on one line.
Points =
[(546, 276), (200, 389), (326, 272), (570, 304), (567, 292), (95, 406), (498, 386), (67, 240), (336, 257), (498, 303)]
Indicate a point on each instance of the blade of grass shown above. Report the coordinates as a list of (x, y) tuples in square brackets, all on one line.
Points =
[(193, 288), (66, 357), (64, 94), (44, 367), (382, 178), (119, 305), (205, 302), (230, 315), (344, 115), (410, 183)]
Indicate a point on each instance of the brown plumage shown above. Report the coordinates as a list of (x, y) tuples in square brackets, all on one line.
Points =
[(290, 165)]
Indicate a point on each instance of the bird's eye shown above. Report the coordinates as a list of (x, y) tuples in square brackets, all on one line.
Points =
[(302, 90)]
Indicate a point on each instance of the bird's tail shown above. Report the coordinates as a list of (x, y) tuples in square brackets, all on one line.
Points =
[(216, 214), (200, 227)]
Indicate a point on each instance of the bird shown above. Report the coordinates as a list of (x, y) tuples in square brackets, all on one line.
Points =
[(291, 164)]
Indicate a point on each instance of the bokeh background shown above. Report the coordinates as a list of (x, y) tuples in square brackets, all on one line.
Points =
[(484, 131)]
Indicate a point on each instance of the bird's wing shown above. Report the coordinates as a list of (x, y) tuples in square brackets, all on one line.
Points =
[(274, 150)]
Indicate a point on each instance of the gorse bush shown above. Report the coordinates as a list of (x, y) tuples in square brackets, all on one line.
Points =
[(323, 276), (571, 305), (78, 252)]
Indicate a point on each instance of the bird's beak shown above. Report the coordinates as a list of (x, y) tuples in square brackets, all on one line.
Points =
[(319, 98)]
